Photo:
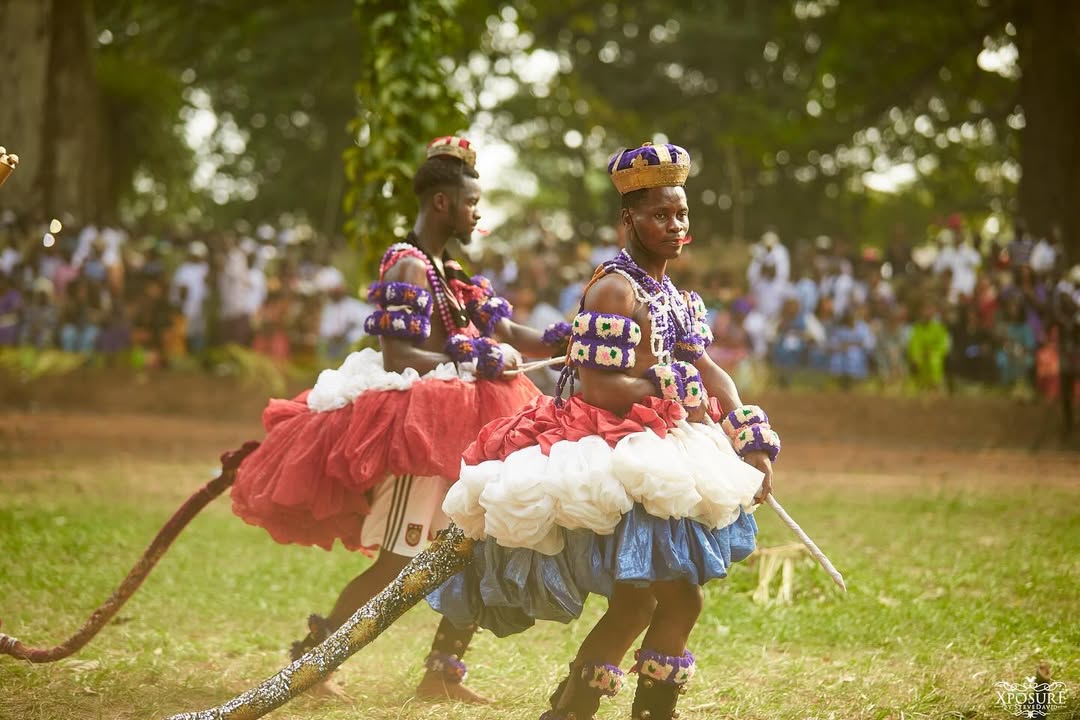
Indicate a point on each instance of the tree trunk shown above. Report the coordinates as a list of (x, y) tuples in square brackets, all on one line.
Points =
[(50, 113), (1049, 143)]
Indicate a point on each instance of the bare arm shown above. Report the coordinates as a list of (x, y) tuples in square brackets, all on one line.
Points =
[(524, 339), (614, 390), (718, 383), (399, 354)]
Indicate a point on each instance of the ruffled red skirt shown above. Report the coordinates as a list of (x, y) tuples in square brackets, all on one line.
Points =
[(308, 482)]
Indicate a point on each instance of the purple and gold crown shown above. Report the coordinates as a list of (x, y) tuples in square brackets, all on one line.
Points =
[(8, 163), (649, 166), (453, 146)]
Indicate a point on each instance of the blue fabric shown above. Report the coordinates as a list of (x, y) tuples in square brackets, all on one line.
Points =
[(507, 589)]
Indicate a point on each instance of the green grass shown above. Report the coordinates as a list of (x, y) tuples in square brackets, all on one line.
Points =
[(953, 587)]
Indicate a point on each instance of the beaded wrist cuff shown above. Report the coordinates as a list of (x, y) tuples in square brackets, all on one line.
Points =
[(667, 381), (757, 437), (664, 668), (398, 323), (449, 666), (460, 348), (486, 315), (608, 679), (690, 348), (400, 295), (489, 358), (693, 391), (743, 416), (556, 334)]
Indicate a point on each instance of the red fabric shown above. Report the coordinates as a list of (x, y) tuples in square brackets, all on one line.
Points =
[(542, 423), (308, 482)]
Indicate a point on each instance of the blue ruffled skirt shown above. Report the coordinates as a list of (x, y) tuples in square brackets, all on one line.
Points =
[(507, 589)]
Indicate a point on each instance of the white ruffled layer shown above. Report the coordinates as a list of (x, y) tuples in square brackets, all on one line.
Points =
[(524, 500), (363, 371)]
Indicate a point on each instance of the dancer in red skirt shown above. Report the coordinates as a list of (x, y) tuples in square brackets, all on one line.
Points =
[(639, 488), (368, 454)]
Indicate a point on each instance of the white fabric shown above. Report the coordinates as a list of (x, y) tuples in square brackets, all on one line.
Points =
[(406, 513), (192, 276), (528, 498), (363, 371)]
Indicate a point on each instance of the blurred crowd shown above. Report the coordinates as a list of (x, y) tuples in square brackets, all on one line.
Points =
[(958, 310), (149, 301)]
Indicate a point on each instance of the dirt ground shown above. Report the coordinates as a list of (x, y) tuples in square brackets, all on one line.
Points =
[(853, 437)]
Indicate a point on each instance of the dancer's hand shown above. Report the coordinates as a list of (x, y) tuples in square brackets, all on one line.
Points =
[(697, 414), (511, 357), (760, 460)]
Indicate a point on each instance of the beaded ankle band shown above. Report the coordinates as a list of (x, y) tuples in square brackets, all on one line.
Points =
[(664, 668), (451, 667)]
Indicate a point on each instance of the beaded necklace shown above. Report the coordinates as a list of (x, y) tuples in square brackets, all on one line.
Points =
[(669, 316)]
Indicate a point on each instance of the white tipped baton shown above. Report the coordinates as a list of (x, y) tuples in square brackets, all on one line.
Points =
[(529, 367), (822, 559)]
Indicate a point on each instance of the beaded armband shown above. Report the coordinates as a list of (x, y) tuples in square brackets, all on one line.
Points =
[(489, 358), (487, 314), (662, 668), (601, 340), (460, 348), (400, 295), (748, 428), (404, 311)]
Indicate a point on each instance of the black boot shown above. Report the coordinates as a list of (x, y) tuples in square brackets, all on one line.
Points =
[(578, 695), (661, 679)]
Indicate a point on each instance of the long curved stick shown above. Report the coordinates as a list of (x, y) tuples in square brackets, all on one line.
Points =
[(821, 557), (230, 461), (450, 552)]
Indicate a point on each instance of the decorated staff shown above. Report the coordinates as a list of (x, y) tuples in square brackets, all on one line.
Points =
[(8, 163)]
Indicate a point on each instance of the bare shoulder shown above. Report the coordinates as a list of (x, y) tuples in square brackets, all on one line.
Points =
[(407, 269), (611, 294)]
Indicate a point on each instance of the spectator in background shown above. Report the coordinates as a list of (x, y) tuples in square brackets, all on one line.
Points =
[(83, 313), (928, 346), (850, 345), (11, 301), (189, 292), (233, 279), (890, 350), (152, 320), (788, 349), (40, 316), (971, 353), (769, 251), (341, 322), (1016, 343)]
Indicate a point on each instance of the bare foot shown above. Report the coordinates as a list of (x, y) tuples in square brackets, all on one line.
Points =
[(329, 689), (433, 687)]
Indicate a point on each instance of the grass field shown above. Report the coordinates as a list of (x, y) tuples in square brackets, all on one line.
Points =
[(963, 566)]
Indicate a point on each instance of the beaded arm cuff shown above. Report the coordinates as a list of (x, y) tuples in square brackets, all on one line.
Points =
[(404, 311), (605, 341), (400, 295), (398, 323), (556, 334)]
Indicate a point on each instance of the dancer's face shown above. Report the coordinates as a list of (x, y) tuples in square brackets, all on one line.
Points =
[(660, 220), (463, 209)]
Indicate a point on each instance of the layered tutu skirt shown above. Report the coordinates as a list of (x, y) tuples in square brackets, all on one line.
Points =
[(309, 481), (569, 501)]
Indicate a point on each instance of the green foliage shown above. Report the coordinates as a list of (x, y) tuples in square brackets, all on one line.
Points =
[(25, 364), (404, 101)]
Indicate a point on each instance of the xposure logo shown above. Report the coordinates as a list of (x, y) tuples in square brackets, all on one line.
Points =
[(1031, 698)]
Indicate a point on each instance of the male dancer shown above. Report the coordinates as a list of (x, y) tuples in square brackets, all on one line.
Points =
[(631, 488), (368, 454)]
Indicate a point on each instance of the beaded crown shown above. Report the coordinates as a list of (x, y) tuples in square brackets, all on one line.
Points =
[(649, 166), (457, 147)]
